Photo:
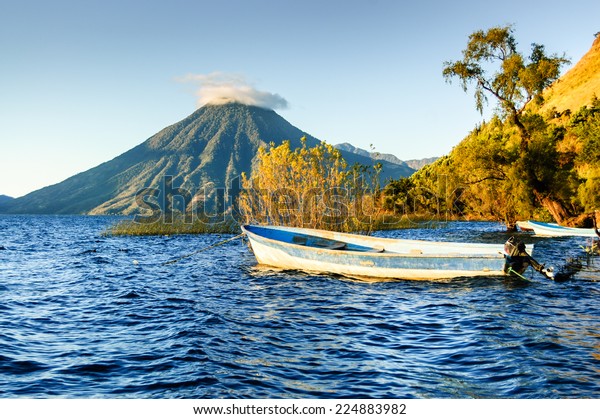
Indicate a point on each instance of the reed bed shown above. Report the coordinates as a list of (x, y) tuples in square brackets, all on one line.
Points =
[(177, 226), (381, 222)]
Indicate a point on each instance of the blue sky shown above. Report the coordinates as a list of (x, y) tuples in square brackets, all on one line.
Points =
[(84, 81)]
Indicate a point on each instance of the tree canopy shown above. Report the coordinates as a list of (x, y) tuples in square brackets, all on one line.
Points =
[(491, 62), (521, 164)]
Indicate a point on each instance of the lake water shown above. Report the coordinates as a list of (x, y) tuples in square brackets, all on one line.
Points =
[(83, 315)]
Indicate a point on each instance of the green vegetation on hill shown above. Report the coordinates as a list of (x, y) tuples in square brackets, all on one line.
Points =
[(5, 198), (200, 154), (527, 162)]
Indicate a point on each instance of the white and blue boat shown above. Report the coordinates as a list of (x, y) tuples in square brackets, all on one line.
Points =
[(359, 256), (555, 230)]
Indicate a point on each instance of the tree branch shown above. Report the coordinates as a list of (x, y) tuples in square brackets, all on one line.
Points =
[(491, 177)]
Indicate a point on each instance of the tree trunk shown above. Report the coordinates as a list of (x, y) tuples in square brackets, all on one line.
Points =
[(525, 137), (558, 211), (581, 221), (511, 226)]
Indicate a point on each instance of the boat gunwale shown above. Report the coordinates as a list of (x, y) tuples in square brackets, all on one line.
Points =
[(379, 254)]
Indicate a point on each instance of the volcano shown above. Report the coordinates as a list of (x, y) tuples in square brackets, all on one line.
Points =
[(213, 145)]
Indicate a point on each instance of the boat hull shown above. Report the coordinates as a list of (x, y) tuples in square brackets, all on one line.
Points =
[(389, 259), (554, 230)]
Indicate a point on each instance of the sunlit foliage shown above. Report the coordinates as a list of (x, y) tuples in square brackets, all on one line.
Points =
[(486, 175), (307, 187)]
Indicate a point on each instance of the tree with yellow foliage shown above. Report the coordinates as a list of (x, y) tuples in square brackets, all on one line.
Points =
[(306, 187)]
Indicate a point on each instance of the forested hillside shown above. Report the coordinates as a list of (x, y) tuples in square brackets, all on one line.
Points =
[(533, 159)]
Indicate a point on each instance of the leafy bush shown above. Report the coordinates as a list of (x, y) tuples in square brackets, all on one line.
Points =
[(308, 187)]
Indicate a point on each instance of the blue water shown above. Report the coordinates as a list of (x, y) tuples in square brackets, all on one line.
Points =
[(83, 315)]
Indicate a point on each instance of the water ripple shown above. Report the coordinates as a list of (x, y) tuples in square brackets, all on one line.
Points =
[(80, 318)]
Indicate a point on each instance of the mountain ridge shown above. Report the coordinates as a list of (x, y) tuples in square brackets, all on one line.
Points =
[(5, 198), (211, 146), (414, 164)]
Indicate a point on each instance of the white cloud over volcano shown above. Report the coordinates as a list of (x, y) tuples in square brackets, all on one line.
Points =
[(218, 88)]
